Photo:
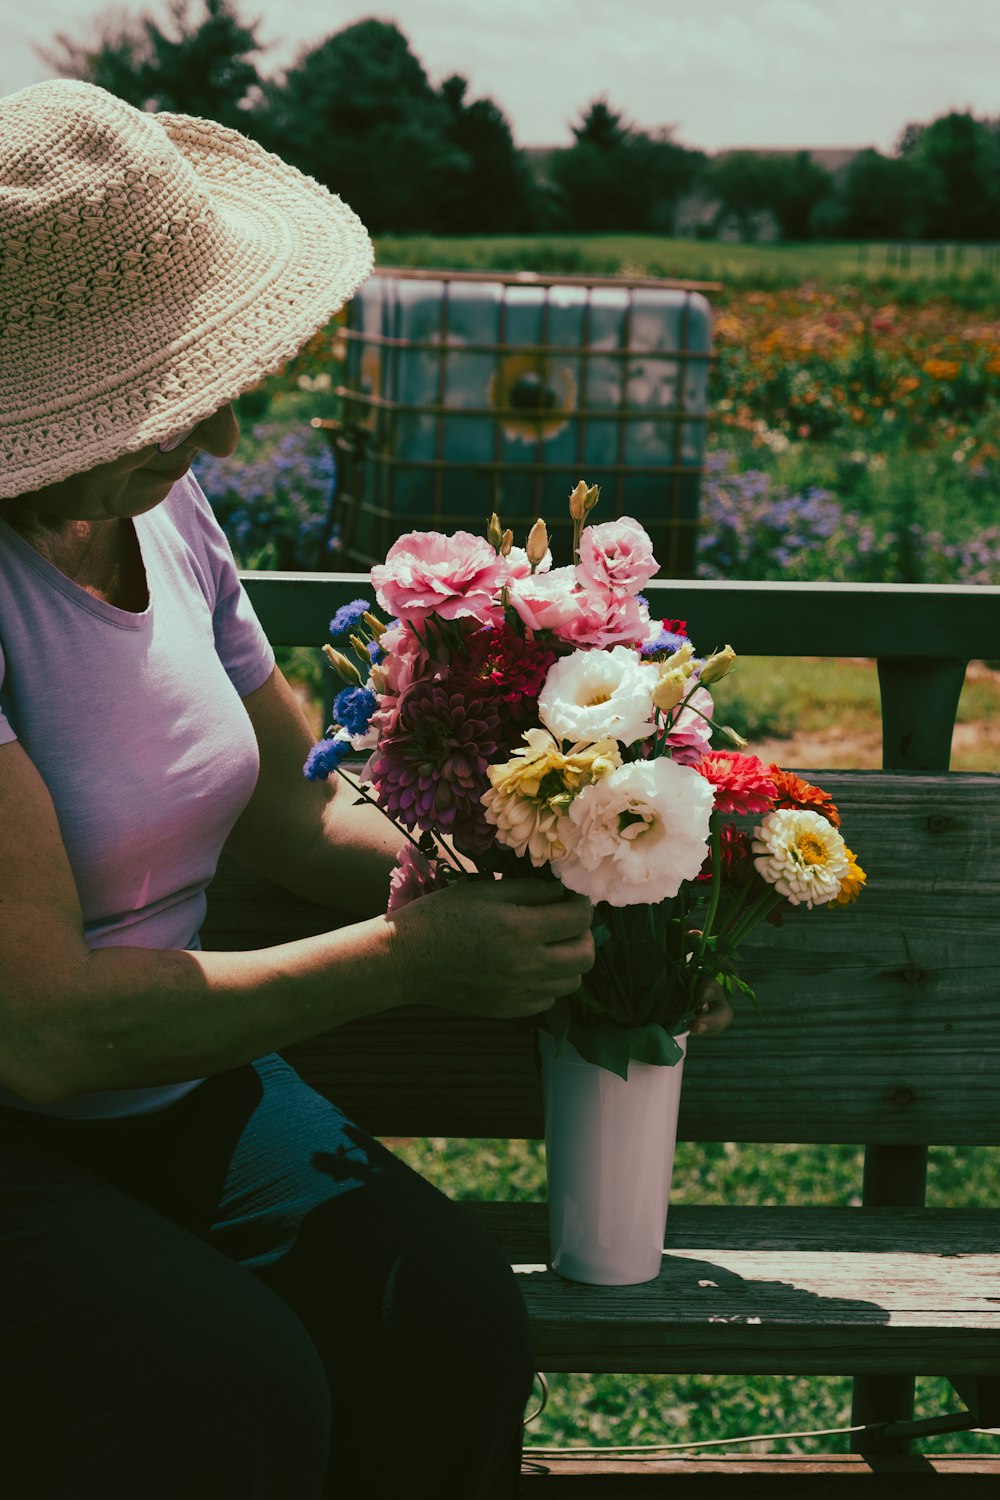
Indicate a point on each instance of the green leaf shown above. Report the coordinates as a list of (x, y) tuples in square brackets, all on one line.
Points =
[(652, 1044), (729, 982), (605, 1046)]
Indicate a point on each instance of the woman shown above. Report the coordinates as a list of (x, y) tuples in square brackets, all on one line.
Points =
[(210, 1281)]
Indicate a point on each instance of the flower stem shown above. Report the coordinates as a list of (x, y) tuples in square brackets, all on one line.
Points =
[(765, 902), (365, 796), (713, 900)]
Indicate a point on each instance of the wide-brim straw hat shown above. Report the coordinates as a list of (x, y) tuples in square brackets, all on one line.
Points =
[(152, 268)]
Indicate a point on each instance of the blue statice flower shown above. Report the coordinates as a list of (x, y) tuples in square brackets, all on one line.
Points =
[(353, 708), (324, 758), (347, 617), (665, 644)]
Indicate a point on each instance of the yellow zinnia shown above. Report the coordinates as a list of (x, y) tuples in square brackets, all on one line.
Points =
[(850, 886)]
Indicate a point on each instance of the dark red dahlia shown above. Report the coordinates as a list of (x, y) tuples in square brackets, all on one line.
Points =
[(505, 667)]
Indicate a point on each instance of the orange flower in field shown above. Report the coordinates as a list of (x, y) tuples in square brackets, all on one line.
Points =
[(792, 791), (941, 369)]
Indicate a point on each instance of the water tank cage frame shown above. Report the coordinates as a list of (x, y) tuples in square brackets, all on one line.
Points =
[(366, 513)]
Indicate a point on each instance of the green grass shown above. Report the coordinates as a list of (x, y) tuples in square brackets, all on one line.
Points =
[(833, 705), (968, 273), (620, 1409)]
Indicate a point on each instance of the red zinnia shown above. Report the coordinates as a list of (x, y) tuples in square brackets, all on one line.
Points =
[(792, 791), (737, 856), (742, 782)]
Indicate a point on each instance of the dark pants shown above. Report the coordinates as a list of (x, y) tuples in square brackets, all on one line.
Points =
[(247, 1296)]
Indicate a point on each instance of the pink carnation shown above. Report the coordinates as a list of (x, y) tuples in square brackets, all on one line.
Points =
[(414, 876), (742, 782), (579, 616), (428, 573), (616, 555), (690, 735), (405, 660)]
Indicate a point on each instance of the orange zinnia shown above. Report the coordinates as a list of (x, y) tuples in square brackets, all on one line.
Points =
[(792, 791)]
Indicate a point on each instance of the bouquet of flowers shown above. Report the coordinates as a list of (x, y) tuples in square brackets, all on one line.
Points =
[(521, 718)]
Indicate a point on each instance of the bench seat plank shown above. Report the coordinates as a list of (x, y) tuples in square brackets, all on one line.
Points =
[(809, 1291), (750, 1478)]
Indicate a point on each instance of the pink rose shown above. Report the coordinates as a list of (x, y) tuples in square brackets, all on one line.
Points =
[(616, 555), (428, 573)]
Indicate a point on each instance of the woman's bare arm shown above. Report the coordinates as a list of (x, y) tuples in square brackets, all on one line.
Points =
[(75, 1020), (309, 836)]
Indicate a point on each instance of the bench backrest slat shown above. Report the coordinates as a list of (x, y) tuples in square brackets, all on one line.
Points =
[(878, 1022)]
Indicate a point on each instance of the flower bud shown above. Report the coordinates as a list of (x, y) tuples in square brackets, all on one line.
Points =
[(506, 542), (583, 499), (538, 543), (718, 664), (670, 689), (494, 532), (374, 624), (343, 666), (734, 738)]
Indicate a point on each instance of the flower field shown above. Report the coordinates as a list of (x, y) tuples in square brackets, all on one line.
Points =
[(854, 439)]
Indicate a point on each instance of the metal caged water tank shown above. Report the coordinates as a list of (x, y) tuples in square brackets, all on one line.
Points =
[(466, 393)]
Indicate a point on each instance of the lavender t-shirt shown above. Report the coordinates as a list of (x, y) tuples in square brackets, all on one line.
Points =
[(135, 723)]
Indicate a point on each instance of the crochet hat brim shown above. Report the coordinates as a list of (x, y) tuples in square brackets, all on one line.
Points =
[(186, 321)]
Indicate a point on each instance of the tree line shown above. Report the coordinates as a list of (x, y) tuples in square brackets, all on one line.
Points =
[(358, 112)]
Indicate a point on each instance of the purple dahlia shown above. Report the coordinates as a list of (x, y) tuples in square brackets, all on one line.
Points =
[(431, 770)]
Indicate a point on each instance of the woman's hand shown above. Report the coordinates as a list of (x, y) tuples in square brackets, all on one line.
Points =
[(713, 1013), (504, 948)]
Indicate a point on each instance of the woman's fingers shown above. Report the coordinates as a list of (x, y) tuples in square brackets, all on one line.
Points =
[(714, 1011)]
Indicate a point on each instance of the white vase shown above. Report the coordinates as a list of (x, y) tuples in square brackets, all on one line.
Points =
[(609, 1147)]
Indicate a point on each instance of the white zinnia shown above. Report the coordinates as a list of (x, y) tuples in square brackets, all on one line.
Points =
[(634, 836), (802, 855), (596, 695)]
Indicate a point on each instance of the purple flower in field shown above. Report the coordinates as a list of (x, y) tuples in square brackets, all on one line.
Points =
[(431, 769)]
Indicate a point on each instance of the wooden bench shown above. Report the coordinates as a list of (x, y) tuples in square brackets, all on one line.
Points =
[(879, 1026)]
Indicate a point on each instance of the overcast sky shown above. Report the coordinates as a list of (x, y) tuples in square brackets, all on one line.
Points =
[(723, 72)]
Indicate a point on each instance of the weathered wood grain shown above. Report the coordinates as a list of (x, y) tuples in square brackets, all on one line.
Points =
[(706, 1477), (775, 1291), (878, 1022)]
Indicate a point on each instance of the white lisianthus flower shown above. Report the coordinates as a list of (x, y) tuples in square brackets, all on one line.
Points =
[(636, 834), (802, 855), (596, 695)]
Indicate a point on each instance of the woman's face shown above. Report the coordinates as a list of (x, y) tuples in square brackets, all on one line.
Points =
[(130, 485)]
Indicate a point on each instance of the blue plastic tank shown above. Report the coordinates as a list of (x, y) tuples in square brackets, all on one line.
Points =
[(467, 393)]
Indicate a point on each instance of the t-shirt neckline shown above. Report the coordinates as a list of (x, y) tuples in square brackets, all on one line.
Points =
[(124, 619)]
